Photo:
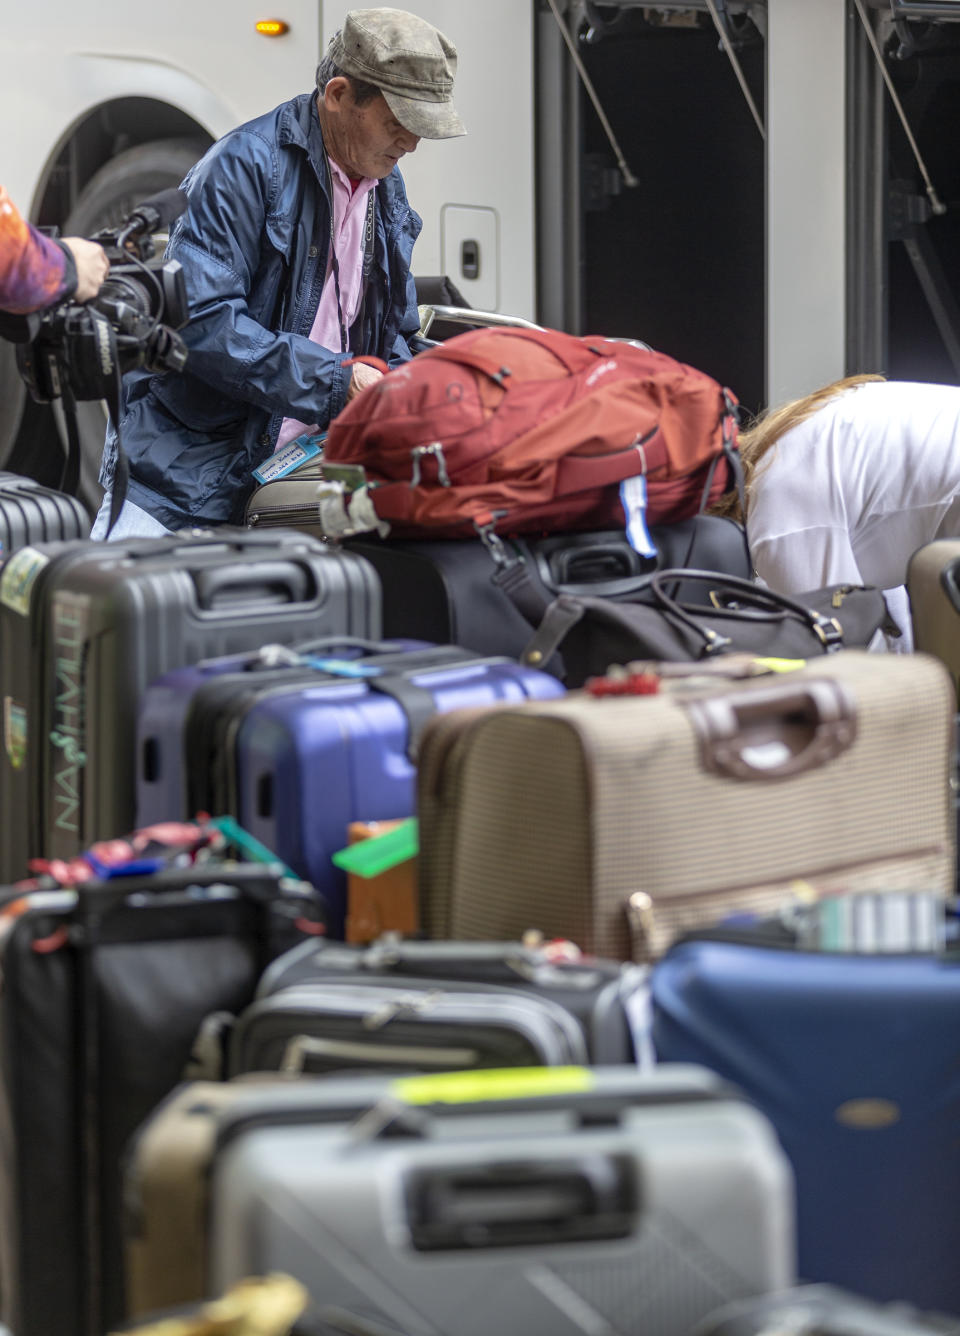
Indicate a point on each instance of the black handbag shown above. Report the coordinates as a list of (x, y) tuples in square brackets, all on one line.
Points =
[(594, 633)]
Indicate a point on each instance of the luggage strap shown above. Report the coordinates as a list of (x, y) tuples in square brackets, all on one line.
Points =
[(416, 702), (70, 477)]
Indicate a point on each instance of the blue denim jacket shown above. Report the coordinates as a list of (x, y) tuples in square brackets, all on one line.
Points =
[(253, 243)]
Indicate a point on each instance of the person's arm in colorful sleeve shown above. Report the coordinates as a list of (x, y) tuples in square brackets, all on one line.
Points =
[(36, 271)]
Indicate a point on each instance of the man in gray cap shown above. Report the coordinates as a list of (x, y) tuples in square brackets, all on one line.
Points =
[(296, 246)]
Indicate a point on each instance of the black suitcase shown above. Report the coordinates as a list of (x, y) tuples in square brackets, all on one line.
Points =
[(442, 590), (401, 1006), (85, 626), (823, 1310), (32, 513), (104, 990)]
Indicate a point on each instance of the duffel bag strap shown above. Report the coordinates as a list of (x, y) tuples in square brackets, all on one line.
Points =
[(511, 574), (563, 613)]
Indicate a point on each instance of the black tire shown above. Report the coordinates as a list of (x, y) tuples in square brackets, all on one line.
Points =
[(109, 195)]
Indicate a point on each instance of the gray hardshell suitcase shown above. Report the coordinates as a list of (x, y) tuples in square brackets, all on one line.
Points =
[(552, 1201), (32, 513), (85, 626)]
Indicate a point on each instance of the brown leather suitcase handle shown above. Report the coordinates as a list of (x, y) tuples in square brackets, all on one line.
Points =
[(776, 732)]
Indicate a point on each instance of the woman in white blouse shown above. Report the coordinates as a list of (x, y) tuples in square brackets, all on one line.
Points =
[(844, 485)]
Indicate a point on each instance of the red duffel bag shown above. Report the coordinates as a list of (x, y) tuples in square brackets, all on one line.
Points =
[(525, 430)]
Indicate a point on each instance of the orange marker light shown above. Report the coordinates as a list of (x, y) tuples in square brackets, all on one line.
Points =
[(272, 27)]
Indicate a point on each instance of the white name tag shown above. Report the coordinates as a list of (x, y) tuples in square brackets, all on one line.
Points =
[(633, 498)]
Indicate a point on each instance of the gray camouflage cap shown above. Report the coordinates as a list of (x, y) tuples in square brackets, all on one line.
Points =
[(409, 60)]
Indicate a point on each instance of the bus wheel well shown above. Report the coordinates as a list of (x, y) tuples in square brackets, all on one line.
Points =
[(108, 131)]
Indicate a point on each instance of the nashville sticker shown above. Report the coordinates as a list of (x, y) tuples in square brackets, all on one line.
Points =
[(19, 573)]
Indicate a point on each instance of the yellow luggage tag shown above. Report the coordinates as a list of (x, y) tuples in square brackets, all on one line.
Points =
[(475, 1087)]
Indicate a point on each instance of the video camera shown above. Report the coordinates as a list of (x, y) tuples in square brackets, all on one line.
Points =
[(130, 323)]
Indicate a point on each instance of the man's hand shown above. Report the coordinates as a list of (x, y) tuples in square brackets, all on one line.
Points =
[(362, 378), (92, 266)]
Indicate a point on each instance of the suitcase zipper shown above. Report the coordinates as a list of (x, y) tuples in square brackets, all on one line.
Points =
[(259, 518), (533, 1001), (551, 1031)]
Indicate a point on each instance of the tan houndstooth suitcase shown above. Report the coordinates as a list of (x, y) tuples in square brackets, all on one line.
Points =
[(620, 821), (933, 584)]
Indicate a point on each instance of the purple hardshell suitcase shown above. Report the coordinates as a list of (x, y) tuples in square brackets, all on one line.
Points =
[(165, 791), (299, 755)]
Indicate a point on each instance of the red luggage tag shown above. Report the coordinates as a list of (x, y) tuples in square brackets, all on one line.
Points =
[(627, 684)]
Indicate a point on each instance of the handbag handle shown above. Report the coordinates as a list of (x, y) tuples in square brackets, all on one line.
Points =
[(827, 629)]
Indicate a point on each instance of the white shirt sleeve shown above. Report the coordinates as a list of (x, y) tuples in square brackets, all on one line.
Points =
[(805, 559)]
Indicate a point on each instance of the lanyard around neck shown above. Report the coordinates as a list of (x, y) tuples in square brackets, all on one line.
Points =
[(368, 228)]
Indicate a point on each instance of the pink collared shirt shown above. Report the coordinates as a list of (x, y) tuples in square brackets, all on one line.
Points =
[(349, 216)]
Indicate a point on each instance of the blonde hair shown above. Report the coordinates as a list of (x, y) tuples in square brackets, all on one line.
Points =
[(768, 428)]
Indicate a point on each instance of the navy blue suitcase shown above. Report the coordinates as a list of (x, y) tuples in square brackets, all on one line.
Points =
[(822, 1310), (299, 755), (854, 1058)]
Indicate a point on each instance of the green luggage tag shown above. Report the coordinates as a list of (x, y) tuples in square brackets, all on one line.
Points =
[(379, 853)]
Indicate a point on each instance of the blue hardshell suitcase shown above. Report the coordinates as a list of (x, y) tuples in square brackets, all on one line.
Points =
[(167, 789), (854, 1058), (297, 757)]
